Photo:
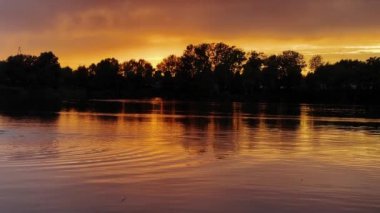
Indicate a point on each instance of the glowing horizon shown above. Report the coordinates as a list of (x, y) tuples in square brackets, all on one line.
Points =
[(83, 32)]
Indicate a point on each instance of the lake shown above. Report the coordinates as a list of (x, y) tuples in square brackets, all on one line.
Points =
[(170, 156)]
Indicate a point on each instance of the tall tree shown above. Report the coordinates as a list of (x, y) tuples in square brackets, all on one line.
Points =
[(315, 62), (48, 69), (290, 73), (226, 61), (196, 59), (170, 65), (107, 73), (139, 73), (139, 68), (81, 76), (373, 65), (252, 72), (20, 70), (270, 73)]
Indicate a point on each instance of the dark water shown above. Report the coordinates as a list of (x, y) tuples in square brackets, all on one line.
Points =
[(156, 156)]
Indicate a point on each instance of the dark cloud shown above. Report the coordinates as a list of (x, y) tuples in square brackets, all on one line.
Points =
[(212, 16)]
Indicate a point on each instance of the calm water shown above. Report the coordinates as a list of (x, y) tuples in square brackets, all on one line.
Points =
[(155, 156)]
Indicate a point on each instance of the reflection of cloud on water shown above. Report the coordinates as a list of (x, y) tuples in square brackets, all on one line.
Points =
[(35, 153), (29, 136), (31, 143)]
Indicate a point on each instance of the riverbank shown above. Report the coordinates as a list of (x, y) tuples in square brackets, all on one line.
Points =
[(50, 98)]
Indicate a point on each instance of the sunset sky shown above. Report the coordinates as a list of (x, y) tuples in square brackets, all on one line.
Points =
[(84, 31)]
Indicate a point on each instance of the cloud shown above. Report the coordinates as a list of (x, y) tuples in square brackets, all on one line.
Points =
[(128, 27), (210, 16)]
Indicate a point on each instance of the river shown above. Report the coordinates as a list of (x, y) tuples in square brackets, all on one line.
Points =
[(170, 156)]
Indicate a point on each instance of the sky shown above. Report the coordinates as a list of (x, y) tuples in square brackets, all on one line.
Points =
[(81, 32)]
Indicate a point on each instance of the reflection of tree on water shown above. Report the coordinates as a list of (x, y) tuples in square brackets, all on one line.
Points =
[(194, 139), (42, 117), (15, 106), (216, 133), (282, 123), (363, 111), (242, 125), (220, 129), (274, 126), (226, 141), (274, 116), (371, 127)]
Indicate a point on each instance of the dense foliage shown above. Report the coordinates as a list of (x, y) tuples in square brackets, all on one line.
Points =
[(205, 71)]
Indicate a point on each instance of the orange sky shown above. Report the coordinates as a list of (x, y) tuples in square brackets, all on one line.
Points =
[(84, 31)]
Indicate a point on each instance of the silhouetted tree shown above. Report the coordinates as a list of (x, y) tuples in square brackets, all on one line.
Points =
[(290, 72), (227, 62), (139, 68), (170, 65), (66, 77), (270, 73), (373, 66), (139, 73), (169, 68), (196, 60), (3, 74), (315, 62), (252, 73), (194, 76), (214, 70), (106, 74), (343, 75), (21, 70), (81, 76), (48, 68)]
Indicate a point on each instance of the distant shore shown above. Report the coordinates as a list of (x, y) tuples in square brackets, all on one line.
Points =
[(205, 72), (50, 98)]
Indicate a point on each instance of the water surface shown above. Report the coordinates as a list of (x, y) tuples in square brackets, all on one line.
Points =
[(163, 156)]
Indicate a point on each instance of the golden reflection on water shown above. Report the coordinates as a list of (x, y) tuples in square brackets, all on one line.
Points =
[(222, 134), (174, 156)]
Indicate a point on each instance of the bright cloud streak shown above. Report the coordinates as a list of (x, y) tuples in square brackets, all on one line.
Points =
[(85, 31)]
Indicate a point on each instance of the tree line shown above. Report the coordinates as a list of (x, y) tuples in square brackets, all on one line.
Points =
[(204, 71)]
